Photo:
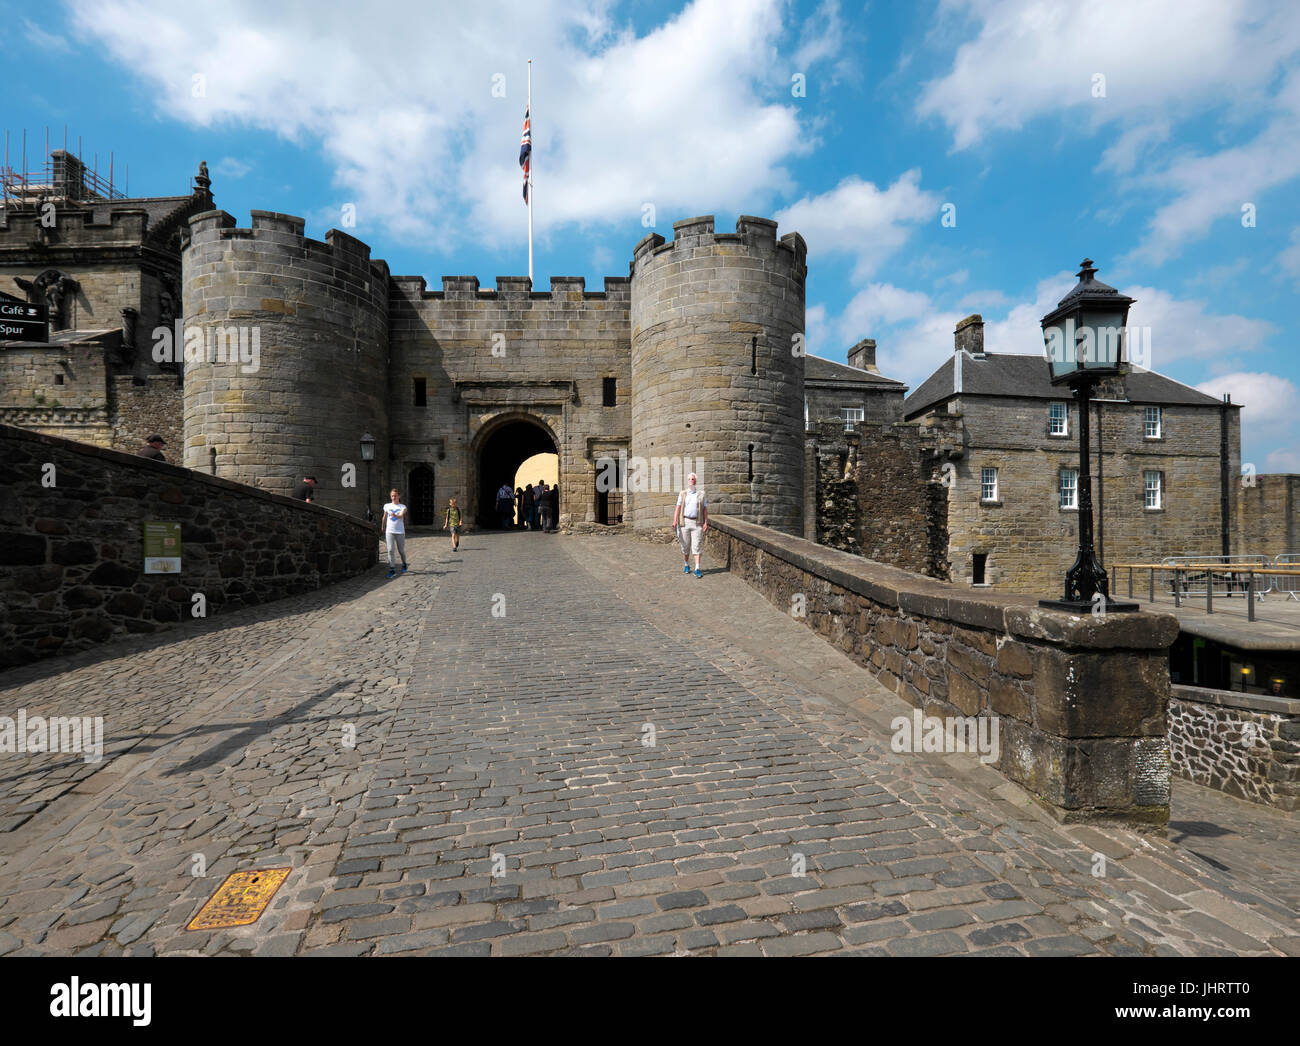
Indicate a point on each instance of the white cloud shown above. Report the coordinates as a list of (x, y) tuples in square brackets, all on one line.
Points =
[(1032, 57), (402, 103), (1289, 259), (1164, 61), (44, 40), (1270, 402), (858, 218), (1270, 414), (231, 167), (1181, 329), (1284, 459)]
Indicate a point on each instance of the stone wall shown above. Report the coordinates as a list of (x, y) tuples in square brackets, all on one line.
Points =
[(141, 407), (1247, 745), (1268, 516), (491, 357), (71, 552), (1081, 702), (893, 506)]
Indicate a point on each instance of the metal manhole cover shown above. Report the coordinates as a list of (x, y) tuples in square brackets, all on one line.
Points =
[(240, 900)]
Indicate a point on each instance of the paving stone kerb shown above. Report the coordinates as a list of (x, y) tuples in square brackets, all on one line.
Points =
[(72, 554), (1082, 702), (321, 312), (1247, 745), (717, 367)]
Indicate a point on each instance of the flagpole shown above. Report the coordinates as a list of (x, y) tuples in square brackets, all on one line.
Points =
[(531, 160)]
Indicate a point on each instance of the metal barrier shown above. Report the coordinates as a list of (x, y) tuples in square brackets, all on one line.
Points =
[(1289, 584), (1210, 576)]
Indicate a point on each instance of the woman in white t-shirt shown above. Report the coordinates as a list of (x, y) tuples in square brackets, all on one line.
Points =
[(691, 522), (395, 529)]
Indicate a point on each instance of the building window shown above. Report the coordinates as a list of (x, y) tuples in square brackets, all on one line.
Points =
[(610, 392), (979, 561), (852, 413), (1155, 489), (988, 484), (1069, 488), (58, 379), (1058, 420), (420, 393), (1155, 427)]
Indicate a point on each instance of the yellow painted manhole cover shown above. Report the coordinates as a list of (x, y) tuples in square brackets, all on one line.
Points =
[(240, 900)]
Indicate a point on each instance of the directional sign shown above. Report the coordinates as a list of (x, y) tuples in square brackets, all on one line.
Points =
[(23, 321)]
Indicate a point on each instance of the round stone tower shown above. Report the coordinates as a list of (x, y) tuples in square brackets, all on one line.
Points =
[(286, 357), (717, 372)]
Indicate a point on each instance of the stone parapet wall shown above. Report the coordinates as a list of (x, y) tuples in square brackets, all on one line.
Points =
[(1246, 745), (1082, 702), (72, 556)]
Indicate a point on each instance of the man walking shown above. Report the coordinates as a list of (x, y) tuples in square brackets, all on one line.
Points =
[(306, 490), (395, 529), (506, 506), (691, 522), (152, 449)]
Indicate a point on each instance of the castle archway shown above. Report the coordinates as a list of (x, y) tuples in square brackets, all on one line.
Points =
[(502, 448)]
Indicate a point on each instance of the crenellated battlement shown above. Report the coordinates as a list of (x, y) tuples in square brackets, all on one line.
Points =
[(285, 233), (563, 289), (753, 233)]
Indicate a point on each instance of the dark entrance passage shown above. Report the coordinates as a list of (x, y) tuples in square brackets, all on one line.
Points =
[(419, 496), (503, 452)]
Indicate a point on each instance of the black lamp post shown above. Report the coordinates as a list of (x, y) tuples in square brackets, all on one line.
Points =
[(368, 455), (1084, 338)]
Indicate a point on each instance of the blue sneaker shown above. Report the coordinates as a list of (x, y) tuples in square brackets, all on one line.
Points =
[(697, 572), (391, 575), (403, 568), (686, 568)]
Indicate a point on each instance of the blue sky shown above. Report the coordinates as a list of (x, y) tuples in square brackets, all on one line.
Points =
[(1159, 137)]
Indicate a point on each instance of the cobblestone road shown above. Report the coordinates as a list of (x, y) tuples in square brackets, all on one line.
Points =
[(459, 761)]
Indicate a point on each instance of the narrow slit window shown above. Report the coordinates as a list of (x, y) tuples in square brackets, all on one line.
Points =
[(751, 463), (753, 362), (421, 394), (979, 561), (610, 392)]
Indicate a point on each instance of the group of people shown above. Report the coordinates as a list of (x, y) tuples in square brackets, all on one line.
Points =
[(539, 506)]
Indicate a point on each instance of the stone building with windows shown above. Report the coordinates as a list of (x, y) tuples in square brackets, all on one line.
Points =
[(107, 268), (853, 393), (1165, 457)]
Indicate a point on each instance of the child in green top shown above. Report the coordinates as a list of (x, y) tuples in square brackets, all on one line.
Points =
[(452, 523)]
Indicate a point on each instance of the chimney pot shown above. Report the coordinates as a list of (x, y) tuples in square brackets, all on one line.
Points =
[(863, 355), (969, 335)]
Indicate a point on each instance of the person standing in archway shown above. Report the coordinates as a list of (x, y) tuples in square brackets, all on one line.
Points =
[(691, 523), (506, 505), (526, 507)]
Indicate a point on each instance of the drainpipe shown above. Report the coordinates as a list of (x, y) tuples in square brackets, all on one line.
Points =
[(1224, 509)]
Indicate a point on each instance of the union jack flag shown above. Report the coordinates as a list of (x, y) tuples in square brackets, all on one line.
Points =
[(526, 152)]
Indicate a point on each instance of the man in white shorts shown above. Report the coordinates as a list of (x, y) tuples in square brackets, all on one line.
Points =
[(691, 522)]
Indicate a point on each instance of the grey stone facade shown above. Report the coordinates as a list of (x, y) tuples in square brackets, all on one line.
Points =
[(1027, 540)]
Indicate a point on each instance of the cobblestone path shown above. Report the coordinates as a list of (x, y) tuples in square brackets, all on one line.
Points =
[(558, 745)]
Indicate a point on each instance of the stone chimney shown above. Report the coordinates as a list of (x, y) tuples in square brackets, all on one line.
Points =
[(863, 355), (969, 335)]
